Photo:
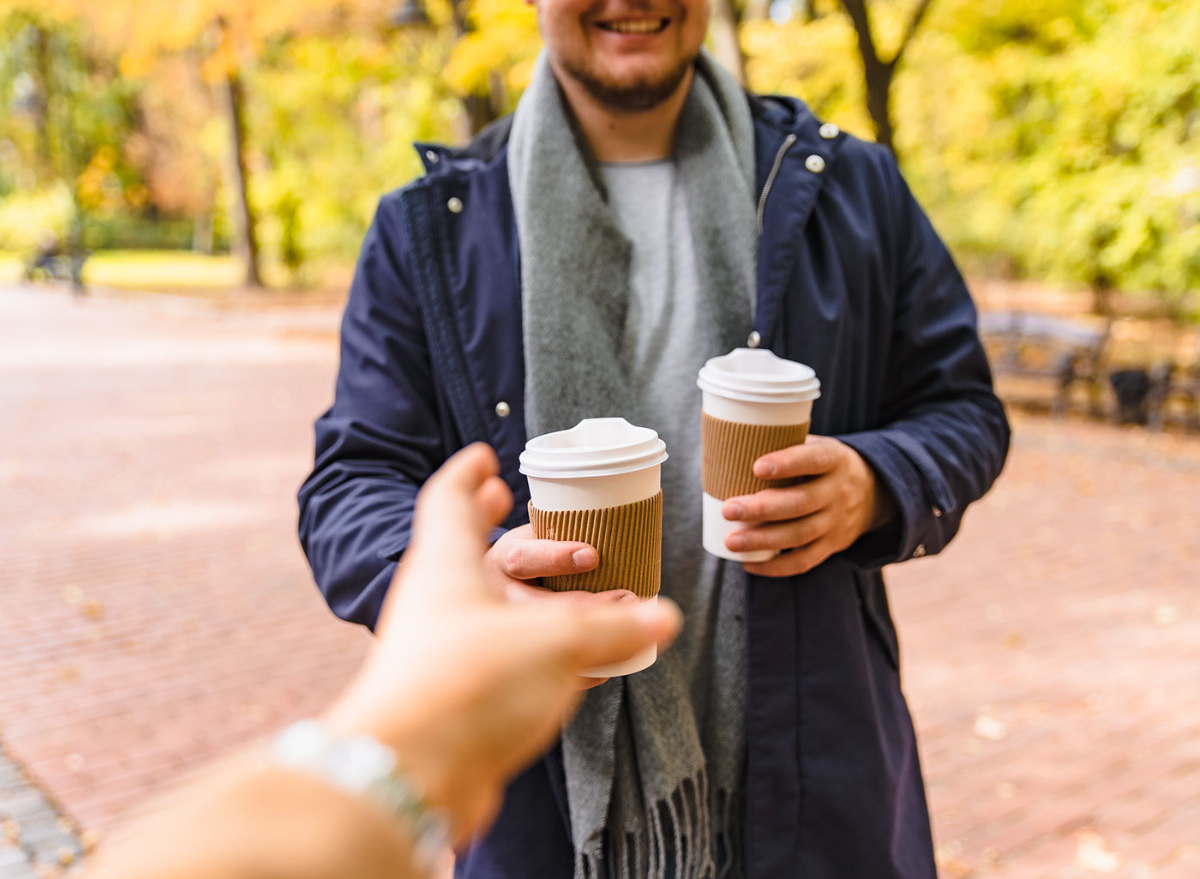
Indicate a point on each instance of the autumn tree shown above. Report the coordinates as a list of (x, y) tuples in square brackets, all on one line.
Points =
[(879, 71)]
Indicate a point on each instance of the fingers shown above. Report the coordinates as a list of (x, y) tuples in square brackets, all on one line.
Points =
[(781, 535), (494, 501), (607, 633), (530, 559), (799, 561), (455, 509), (451, 497), (819, 454), (522, 593), (778, 504)]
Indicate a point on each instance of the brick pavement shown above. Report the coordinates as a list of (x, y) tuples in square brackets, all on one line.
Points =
[(156, 609)]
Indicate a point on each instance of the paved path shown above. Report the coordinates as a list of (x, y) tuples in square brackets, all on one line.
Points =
[(155, 608)]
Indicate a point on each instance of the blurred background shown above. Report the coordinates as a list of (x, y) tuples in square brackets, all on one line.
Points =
[(183, 189)]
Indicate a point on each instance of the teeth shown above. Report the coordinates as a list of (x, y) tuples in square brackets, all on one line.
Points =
[(635, 26)]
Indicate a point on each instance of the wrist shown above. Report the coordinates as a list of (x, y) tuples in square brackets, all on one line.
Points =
[(446, 783), (360, 765), (884, 506)]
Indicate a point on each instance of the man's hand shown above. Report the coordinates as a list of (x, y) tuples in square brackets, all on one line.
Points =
[(517, 561), (837, 503)]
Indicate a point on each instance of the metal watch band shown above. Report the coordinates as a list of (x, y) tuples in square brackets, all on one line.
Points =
[(364, 766)]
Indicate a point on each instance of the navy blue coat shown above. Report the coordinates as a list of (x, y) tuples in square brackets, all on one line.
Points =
[(852, 280)]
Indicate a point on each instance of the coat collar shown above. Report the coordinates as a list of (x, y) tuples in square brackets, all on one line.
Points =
[(794, 152)]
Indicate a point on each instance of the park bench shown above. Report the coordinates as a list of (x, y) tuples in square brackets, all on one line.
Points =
[(1168, 382), (1036, 346)]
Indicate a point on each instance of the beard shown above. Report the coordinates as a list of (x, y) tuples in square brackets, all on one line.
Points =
[(634, 96)]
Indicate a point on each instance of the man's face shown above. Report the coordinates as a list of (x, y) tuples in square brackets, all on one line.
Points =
[(630, 55)]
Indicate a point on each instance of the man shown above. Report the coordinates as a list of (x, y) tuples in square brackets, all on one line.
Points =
[(640, 214)]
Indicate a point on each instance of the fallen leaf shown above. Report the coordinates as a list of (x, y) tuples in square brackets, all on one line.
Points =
[(1165, 614), (949, 864), (1092, 853), (991, 728)]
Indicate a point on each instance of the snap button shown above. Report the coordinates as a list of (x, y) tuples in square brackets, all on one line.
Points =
[(503, 409), (754, 341), (919, 551), (815, 164), (829, 131), (432, 156), (455, 206)]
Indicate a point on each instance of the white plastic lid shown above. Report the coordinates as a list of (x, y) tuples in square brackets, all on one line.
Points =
[(755, 375), (593, 447)]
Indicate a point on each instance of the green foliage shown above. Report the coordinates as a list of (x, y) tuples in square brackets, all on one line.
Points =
[(332, 123), (28, 215), (1057, 139)]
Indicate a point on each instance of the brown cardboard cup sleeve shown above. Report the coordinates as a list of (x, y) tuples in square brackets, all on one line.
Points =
[(628, 539), (730, 449)]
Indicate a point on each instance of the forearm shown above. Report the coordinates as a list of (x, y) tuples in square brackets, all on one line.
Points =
[(246, 819), (354, 525)]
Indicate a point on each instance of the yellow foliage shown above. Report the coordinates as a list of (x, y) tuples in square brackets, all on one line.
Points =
[(503, 39)]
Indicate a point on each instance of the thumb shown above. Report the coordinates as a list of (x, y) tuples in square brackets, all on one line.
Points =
[(603, 634)]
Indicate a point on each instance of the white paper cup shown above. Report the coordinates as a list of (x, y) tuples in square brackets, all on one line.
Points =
[(751, 386), (598, 464)]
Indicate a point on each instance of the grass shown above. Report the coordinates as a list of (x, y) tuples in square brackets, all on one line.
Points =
[(11, 267), (167, 270), (183, 273)]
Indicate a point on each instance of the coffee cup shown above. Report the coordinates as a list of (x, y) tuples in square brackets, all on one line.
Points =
[(753, 403), (600, 483)]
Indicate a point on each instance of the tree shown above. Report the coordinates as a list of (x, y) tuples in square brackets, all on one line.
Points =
[(223, 33), (233, 103), (878, 72), (724, 26)]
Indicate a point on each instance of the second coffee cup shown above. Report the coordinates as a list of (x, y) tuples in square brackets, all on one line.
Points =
[(754, 403), (599, 483)]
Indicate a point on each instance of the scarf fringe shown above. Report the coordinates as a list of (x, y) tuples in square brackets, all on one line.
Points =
[(704, 827)]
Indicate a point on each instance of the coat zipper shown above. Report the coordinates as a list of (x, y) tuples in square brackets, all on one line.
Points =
[(762, 201)]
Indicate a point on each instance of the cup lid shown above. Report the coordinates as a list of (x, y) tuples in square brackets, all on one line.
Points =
[(756, 375), (593, 447)]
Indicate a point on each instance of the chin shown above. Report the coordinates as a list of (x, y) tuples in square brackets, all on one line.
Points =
[(633, 85)]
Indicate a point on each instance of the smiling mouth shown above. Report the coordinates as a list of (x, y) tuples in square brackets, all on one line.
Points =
[(635, 25)]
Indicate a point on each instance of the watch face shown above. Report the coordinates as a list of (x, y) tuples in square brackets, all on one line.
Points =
[(361, 763)]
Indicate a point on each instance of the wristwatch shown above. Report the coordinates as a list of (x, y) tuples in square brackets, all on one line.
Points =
[(364, 766)]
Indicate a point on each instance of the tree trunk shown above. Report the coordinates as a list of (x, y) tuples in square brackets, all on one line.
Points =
[(245, 239), (879, 101), (478, 110), (39, 106), (878, 73), (725, 39)]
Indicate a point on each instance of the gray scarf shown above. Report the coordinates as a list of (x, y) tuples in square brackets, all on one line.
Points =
[(655, 759)]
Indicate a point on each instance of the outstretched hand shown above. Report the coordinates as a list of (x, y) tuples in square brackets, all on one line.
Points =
[(466, 684)]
